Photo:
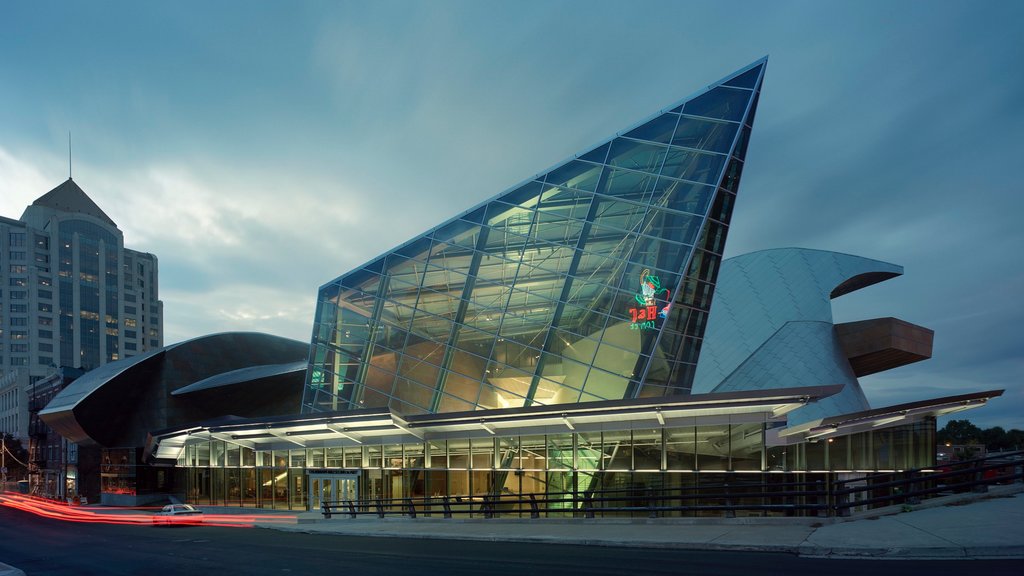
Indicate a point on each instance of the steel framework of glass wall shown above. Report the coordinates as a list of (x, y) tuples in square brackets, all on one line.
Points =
[(223, 474), (592, 281)]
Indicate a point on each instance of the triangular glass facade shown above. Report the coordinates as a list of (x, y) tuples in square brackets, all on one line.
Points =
[(592, 281)]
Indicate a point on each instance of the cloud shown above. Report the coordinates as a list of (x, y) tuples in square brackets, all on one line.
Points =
[(238, 307), (21, 182)]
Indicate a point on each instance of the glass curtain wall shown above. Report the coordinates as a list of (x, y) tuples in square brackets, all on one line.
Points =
[(591, 282), (631, 465)]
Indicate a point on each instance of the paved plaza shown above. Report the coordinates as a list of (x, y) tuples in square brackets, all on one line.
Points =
[(990, 527)]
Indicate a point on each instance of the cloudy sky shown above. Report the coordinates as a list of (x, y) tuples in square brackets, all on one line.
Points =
[(260, 149)]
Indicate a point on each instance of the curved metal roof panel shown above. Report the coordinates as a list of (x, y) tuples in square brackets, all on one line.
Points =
[(242, 376)]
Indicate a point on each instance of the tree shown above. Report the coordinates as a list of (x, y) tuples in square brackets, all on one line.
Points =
[(959, 432), (995, 438), (15, 458)]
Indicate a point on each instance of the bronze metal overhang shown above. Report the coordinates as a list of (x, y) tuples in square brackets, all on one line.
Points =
[(883, 343)]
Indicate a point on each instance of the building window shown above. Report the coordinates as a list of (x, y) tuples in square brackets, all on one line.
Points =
[(46, 360), (19, 347), (19, 268), (43, 307), (19, 361), (129, 297), (129, 310), (16, 239), (17, 256), (130, 334), (44, 281), (45, 347), (129, 322), (129, 346), (19, 308), (47, 294), (48, 334), (42, 242), (45, 321), (18, 294), (19, 335), (18, 282), (154, 343)]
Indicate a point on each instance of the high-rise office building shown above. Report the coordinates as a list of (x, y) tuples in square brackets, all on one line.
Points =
[(71, 295)]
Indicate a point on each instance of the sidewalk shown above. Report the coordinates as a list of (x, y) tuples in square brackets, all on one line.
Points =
[(991, 527)]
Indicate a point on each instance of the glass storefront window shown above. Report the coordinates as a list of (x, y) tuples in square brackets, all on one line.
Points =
[(336, 457), (839, 453), (746, 446), (315, 457), (392, 456), (815, 455), (532, 453), (202, 454), (618, 447), (483, 453), (588, 451), (647, 449), (248, 457), (413, 456), (776, 459), (508, 452), (458, 455), (354, 457), (232, 455), (713, 447), (374, 457), (560, 451), (680, 448), (882, 444), (217, 454), (438, 454)]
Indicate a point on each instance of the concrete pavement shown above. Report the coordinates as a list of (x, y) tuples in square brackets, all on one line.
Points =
[(992, 526), (964, 526)]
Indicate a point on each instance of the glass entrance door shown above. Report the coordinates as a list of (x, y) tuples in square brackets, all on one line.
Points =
[(326, 488)]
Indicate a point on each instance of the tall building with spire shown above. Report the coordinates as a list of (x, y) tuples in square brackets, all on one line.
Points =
[(71, 295)]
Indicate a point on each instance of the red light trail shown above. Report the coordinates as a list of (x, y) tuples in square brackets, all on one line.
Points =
[(119, 515)]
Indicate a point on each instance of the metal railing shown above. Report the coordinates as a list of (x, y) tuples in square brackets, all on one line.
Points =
[(762, 497)]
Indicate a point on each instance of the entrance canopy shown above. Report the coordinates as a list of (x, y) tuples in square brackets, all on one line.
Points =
[(380, 425), (845, 424)]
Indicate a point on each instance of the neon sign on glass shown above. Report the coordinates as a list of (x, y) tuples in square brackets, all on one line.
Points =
[(646, 312)]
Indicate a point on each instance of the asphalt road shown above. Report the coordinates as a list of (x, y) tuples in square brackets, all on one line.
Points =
[(41, 546)]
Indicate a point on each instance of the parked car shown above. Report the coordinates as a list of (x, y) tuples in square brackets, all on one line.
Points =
[(178, 514)]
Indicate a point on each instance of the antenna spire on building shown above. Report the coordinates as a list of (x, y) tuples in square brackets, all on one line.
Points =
[(69, 154)]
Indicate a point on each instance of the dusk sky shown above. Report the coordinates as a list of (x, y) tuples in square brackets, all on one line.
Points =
[(261, 149)]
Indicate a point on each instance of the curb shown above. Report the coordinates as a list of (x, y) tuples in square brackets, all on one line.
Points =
[(803, 550)]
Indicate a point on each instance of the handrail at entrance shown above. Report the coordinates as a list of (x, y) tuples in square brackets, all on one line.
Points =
[(814, 498)]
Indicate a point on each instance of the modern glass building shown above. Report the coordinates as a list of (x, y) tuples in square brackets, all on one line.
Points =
[(560, 338), (591, 281)]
